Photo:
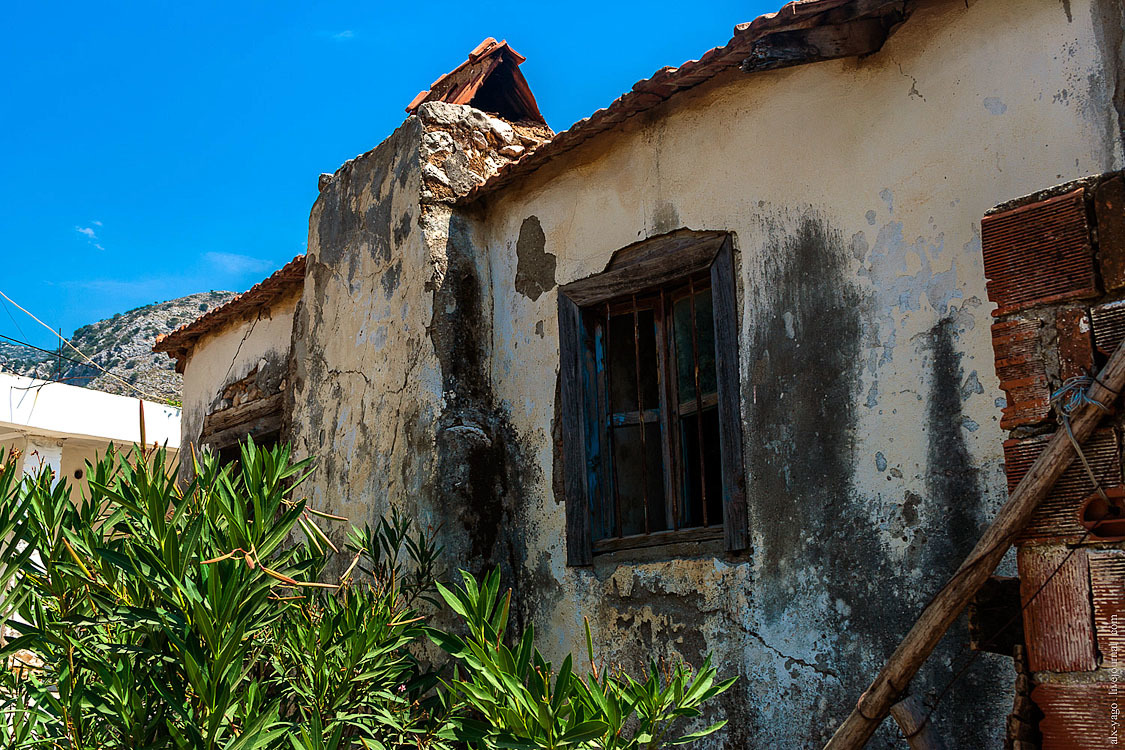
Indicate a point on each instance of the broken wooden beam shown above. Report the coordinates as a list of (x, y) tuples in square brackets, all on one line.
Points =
[(943, 609), (787, 48)]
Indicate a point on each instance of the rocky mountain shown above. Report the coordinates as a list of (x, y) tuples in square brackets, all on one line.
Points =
[(123, 346)]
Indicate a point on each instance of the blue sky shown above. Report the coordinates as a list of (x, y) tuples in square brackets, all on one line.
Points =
[(152, 150)]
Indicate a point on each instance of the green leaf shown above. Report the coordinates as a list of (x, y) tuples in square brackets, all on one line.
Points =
[(694, 736)]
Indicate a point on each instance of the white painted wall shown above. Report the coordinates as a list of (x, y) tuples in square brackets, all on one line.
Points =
[(62, 426), (225, 356), (49, 409)]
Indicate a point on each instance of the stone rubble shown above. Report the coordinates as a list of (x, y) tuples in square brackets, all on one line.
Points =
[(463, 146)]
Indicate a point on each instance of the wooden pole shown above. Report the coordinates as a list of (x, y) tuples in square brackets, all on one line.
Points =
[(940, 613), (910, 715)]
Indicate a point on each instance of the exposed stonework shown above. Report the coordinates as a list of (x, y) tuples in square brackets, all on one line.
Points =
[(266, 379), (462, 146)]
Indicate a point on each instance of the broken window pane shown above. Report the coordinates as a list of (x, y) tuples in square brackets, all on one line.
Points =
[(626, 352)]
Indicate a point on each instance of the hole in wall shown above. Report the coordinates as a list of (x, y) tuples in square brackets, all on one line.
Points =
[(1104, 520)]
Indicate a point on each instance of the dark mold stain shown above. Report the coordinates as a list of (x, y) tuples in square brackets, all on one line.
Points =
[(951, 476), (801, 402), (953, 494), (460, 328), (390, 279), (402, 231), (483, 468), (379, 226), (910, 505), (535, 268)]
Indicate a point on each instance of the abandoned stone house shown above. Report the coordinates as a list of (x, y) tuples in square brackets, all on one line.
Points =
[(714, 368)]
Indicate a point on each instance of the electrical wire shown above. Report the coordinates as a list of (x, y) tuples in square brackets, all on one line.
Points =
[(40, 349), (1073, 394), (15, 322), (82, 354)]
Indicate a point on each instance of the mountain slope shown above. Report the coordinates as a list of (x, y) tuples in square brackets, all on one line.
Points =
[(123, 346)]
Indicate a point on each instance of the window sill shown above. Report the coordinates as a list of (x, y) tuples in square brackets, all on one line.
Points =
[(658, 539)]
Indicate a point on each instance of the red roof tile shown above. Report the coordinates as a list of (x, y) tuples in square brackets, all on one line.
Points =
[(462, 84), (178, 343)]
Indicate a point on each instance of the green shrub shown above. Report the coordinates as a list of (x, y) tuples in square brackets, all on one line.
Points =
[(517, 700), (150, 616)]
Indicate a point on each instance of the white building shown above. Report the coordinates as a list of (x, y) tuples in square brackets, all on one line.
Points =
[(64, 426)]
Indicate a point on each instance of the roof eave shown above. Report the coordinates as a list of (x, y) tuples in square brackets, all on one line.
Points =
[(802, 32)]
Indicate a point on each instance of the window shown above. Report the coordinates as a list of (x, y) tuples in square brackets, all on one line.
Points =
[(651, 427), (225, 430)]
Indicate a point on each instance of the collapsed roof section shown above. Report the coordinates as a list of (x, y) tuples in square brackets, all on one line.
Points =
[(490, 80)]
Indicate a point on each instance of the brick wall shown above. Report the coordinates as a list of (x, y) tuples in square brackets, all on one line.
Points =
[(1055, 263)]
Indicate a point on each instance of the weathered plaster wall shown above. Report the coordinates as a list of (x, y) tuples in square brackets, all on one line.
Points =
[(223, 357), (872, 447), (391, 347), (363, 375)]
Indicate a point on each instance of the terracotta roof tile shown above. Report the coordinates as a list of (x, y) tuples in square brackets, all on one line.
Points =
[(178, 343), (668, 81), (463, 83)]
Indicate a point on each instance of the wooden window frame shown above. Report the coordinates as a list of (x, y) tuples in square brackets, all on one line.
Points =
[(634, 270)]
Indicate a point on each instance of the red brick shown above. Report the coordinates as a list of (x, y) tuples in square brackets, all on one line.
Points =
[(1079, 715), (1039, 254), (1057, 617), (1057, 516), (1107, 584), (1076, 347), (1109, 208), (1021, 370), (1108, 324)]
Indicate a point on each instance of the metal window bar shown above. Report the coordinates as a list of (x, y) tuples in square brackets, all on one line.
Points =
[(611, 442), (642, 426), (603, 500), (665, 349), (698, 401)]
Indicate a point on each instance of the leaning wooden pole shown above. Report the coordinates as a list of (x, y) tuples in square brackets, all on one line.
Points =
[(940, 613)]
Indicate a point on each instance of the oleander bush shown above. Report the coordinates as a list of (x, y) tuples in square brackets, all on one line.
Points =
[(146, 615)]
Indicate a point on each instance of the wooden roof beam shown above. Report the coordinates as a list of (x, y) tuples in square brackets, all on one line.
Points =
[(852, 39)]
